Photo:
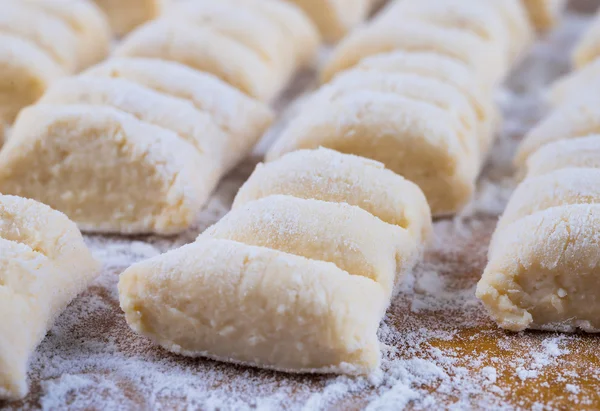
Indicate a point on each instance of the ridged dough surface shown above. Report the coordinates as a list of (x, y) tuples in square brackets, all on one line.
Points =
[(40, 250)]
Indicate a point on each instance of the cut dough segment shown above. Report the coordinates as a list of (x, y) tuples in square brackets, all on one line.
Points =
[(588, 48), (52, 35), (146, 105), (242, 118), (415, 87), (244, 25), (327, 175), (416, 140), (543, 271), (576, 119), (517, 20), (40, 250), (203, 49), (26, 71), (351, 238), (561, 187), (87, 21), (295, 25), (583, 152), (250, 305), (335, 18), (374, 39), (475, 16), (125, 15), (545, 13), (148, 179)]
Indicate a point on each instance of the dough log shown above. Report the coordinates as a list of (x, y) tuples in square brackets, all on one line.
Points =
[(45, 264), (297, 277)]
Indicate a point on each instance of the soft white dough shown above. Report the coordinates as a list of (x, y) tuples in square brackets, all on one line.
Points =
[(125, 15), (588, 47), (328, 175), (351, 238), (543, 271), (251, 305), (583, 152), (40, 250), (149, 180)]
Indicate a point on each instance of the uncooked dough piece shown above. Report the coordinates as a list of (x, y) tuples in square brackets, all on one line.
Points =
[(588, 48), (328, 175), (25, 73), (347, 236), (203, 49), (583, 152), (564, 186), (125, 15), (545, 13), (573, 86), (174, 114), (415, 87), (244, 119), (40, 250), (475, 16), (575, 119), (414, 139), (251, 305), (335, 18), (105, 169), (543, 271), (488, 64), (87, 21)]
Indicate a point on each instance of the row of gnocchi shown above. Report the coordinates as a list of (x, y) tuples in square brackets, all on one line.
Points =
[(299, 274), (543, 258)]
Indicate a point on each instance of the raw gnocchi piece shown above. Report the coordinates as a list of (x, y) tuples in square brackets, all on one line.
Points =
[(255, 306), (328, 175), (242, 118), (235, 40), (375, 39), (564, 186), (335, 18), (583, 152), (149, 178), (92, 31), (282, 274), (126, 15), (40, 250), (545, 13), (417, 140), (543, 271), (324, 231), (578, 118)]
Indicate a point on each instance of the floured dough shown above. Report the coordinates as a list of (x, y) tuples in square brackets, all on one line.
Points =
[(125, 15), (412, 35), (40, 250), (251, 305), (335, 18), (324, 231), (545, 13), (236, 41), (543, 271), (328, 175), (573, 86), (578, 118), (242, 118), (588, 48), (149, 180), (417, 140), (297, 284), (583, 152)]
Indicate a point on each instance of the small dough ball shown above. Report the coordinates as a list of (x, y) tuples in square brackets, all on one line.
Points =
[(327, 175), (417, 140), (543, 271), (250, 305)]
